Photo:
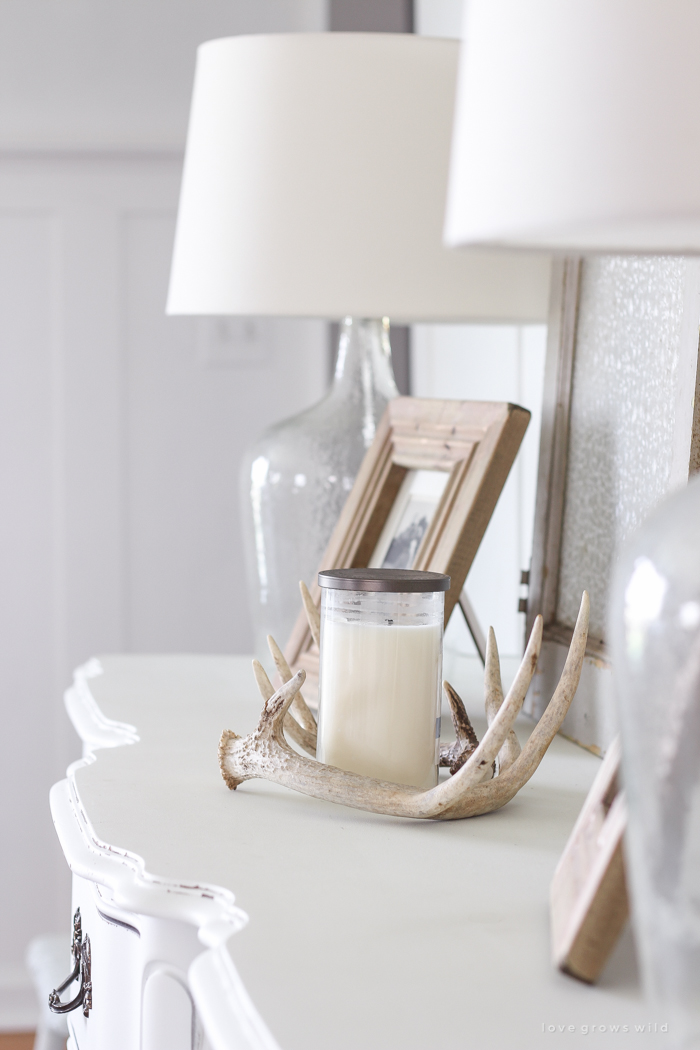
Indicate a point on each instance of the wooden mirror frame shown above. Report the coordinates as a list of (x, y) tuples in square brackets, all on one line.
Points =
[(543, 577)]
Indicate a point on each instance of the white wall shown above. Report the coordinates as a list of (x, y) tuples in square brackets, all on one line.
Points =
[(86, 74), (438, 17), (120, 430)]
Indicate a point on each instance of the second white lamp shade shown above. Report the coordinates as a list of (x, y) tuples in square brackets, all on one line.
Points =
[(578, 126), (315, 182)]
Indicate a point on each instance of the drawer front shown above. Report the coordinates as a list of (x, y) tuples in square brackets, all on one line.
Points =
[(140, 997)]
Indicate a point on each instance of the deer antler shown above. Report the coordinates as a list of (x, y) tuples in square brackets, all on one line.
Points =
[(455, 755), (265, 752), (301, 728), (494, 698), (312, 614)]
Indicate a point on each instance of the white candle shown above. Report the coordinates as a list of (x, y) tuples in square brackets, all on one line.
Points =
[(379, 690)]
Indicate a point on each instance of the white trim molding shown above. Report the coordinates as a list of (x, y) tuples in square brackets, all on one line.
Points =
[(219, 994)]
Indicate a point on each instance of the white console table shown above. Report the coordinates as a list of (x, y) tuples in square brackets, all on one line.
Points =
[(263, 919)]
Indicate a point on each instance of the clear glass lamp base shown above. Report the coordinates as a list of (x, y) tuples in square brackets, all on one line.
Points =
[(655, 633), (297, 476)]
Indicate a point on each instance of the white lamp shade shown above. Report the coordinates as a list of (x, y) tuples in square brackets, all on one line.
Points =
[(315, 183), (577, 126)]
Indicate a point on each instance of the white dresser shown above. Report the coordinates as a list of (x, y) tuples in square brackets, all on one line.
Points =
[(262, 919)]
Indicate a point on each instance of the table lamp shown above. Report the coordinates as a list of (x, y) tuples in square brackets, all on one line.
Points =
[(578, 127), (314, 186)]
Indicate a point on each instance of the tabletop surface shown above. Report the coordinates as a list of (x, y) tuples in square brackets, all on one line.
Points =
[(366, 932)]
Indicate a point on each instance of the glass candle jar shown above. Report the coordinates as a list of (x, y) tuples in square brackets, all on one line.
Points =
[(380, 672)]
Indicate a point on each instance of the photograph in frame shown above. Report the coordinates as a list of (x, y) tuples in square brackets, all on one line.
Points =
[(409, 520)]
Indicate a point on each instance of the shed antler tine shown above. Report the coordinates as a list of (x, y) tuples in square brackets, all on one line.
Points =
[(455, 755), (303, 731), (493, 698), (312, 614), (501, 726), (464, 731), (273, 697), (268, 692), (300, 707), (555, 712), (262, 681), (284, 697), (276, 707), (493, 689)]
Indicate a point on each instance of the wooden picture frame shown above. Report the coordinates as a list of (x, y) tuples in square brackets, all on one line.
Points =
[(474, 442), (588, 901)]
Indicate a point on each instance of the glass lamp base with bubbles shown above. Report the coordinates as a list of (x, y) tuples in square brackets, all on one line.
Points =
[(297, 476), (655, 633)]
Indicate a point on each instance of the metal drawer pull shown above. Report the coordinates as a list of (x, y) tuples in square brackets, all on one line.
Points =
[(80, 950)]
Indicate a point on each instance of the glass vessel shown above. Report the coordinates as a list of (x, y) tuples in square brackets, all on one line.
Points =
[(655, 634), (381, 672), (296, 477)]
